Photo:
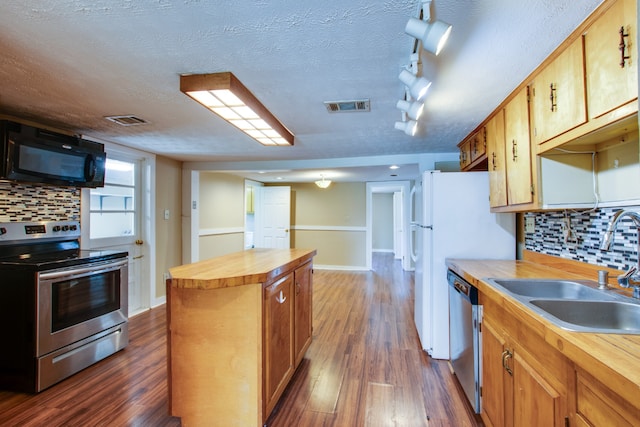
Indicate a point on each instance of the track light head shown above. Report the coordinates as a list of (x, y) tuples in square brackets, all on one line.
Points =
[(433, 35), (409, 127), (418, 86), (413, 109)]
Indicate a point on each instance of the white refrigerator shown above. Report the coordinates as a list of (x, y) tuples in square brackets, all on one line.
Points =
[(451, 219)]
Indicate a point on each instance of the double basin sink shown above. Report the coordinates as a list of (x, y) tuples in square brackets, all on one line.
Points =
[(575, 305)]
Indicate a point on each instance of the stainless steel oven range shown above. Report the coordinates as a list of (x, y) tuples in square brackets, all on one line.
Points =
[(62, 308)]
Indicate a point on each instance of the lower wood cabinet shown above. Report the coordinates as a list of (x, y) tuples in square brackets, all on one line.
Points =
[(303, 310), (519, 387), (287, 330), (278, 339), (232, 350), (599, 406)]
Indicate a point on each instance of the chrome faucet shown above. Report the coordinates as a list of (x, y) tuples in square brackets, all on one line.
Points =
[(632, 276)]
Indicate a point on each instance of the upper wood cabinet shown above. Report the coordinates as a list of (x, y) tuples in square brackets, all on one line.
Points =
[(558, 95), (473, 151), (465, 153), (494, 131), (611, 58), (520, 188)]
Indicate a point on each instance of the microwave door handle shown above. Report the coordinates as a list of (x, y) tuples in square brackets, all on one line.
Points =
[(89, 168)]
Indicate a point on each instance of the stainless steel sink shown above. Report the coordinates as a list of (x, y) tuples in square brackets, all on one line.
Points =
[(597, 316), (575, 306), (549, 288)]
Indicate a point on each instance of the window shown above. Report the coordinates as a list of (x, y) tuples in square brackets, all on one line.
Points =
[(113, 206)]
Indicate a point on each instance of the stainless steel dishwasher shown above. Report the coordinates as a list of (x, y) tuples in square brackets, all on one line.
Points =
[(465, 339)]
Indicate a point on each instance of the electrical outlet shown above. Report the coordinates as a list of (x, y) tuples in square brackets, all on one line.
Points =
[(529, 224)]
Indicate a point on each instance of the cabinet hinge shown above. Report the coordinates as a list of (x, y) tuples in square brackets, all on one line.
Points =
[(532, 189), (480, 391), (566, 421)]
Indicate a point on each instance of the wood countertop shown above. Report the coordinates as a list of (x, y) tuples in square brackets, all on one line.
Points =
[(239, 268), (613, 359)]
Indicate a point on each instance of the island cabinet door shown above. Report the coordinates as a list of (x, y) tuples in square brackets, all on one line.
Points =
[(303, 309), (278, 340)]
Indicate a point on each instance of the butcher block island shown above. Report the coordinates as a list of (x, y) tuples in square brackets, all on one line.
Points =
[(238, 326)]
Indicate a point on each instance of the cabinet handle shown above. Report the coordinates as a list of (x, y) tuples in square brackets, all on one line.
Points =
[(623, 47), (552, 97), (514, 150), (281, 298), (298, 288), (506, 355)]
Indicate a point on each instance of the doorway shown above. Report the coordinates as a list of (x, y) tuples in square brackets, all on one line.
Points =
[(400, 191), (117, 217)]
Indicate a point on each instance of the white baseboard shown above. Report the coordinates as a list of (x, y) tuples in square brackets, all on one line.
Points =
[(340, 267)]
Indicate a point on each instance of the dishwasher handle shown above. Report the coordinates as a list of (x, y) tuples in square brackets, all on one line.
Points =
[(465, 289), (462, 288)]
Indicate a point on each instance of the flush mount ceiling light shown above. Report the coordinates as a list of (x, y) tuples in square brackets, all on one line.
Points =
[(432, 34), (223, 94), (323, 183), (413, 109), (418, 86)]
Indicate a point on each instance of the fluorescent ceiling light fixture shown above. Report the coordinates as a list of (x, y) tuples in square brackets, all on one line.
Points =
[(418, 86), (323, 183), (413, 109), (432, 34), (225, 95), (409, 127)]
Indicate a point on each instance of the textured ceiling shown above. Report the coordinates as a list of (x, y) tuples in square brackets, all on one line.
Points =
[(69, 63)]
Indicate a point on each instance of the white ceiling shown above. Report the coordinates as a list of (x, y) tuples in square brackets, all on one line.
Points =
[(70, 63)]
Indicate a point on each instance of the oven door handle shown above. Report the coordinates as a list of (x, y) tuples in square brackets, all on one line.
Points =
[(75, 272)]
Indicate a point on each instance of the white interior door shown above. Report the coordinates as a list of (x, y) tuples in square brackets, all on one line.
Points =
[(275, 217), (115, 222)]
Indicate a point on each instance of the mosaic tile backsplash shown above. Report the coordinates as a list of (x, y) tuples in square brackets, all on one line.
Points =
[(23, 202), (577, 235)]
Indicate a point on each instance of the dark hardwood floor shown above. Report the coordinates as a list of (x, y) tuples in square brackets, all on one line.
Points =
[(364, 368)]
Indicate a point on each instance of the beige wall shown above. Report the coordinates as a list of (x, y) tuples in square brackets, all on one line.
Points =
[(168, 231), (221, 214), (382, 222), (333, 221)]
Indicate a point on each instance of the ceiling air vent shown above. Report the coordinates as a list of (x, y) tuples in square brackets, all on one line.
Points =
[(347, 106), (127, 120)]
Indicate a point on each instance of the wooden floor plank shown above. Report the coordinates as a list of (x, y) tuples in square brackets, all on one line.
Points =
[(364, 368)]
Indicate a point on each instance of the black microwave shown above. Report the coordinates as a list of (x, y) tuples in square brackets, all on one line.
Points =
[(34, 155)]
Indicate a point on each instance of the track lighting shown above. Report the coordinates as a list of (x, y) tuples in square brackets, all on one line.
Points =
[(432, 34), (418, 86), (413, 109)]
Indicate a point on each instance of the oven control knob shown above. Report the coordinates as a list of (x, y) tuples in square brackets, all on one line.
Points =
[(73, 227), (65, 228), (56, 228), (3, 231)]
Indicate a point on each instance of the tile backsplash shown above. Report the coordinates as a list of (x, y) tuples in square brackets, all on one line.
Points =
[(577, 235), (24, 202)]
